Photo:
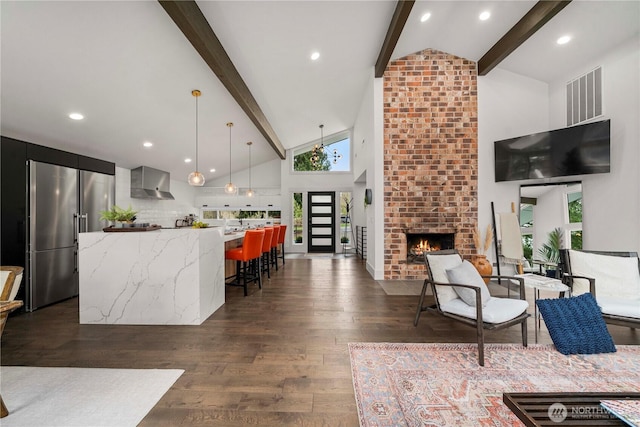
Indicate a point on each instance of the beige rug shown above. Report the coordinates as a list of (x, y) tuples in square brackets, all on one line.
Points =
[(68, 397)]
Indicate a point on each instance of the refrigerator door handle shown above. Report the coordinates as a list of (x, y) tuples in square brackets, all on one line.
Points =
[(76, 226), (83, 223)]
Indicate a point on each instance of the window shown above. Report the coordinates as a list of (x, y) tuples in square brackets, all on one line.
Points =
[(526, 229), (346, 208), (297, 218), (231, 213), (333, 154), (574, 215)]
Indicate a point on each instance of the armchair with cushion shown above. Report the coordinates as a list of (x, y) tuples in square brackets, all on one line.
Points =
[(613, 278), (461, 294)]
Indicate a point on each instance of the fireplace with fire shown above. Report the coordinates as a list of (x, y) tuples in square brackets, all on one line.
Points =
[(419, 243)]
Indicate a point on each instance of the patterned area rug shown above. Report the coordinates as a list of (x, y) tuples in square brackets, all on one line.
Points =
[(443, 385)]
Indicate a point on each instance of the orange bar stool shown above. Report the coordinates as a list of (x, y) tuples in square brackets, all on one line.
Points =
[(266, 249), (247, 259), (281, 236), (274, 246)]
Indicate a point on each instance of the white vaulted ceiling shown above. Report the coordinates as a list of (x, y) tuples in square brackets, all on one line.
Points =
[(127, 67)]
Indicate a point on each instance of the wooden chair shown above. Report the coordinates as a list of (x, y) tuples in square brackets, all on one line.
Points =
[(11, 278), (498, 313), (613, 278)]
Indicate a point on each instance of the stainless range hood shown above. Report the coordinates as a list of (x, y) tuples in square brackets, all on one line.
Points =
[(150, 183)]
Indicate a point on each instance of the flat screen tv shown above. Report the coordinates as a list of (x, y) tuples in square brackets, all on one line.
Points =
[(577, 150)]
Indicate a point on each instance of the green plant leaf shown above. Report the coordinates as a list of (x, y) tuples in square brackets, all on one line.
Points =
[(116, 213), (550, 251)]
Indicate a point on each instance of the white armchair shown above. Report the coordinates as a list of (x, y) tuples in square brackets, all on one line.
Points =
[(461, 294), (612, 277)]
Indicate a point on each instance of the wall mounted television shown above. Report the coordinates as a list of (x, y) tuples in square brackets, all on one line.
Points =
[(577, 150)]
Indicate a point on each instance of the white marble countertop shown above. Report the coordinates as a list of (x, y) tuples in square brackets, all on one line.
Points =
[(160, 277)]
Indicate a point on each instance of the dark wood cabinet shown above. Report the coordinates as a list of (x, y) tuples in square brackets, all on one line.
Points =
[(53, 156), (13, 203), (95, 165)]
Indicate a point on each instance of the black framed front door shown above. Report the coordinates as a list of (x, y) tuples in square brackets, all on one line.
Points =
[(321, 233)]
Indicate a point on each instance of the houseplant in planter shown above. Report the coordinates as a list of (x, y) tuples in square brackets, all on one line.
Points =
[(550, 251), (119, 216), (479, 260)]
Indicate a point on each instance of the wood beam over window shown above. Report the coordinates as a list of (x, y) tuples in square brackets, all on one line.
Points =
[(189, 18), (400, 16), (539, 15)]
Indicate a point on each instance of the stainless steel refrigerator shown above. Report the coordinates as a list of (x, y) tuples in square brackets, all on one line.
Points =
[(62, 203)]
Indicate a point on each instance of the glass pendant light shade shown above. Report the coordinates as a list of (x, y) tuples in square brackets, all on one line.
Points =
[(250, 193), (230, 188), (195, 178)]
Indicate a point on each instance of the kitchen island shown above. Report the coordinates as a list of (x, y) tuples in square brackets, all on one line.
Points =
[(161, 277)]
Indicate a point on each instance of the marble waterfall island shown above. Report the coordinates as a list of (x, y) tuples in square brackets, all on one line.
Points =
[(162, 277)]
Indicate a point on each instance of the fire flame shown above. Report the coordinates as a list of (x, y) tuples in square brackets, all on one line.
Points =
[(424, 246)]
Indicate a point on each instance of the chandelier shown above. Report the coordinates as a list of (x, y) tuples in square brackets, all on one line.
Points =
[(320, 152)]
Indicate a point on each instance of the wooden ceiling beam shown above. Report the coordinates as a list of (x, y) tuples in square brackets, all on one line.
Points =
[(189, 18), (400, 16), (539, 15)]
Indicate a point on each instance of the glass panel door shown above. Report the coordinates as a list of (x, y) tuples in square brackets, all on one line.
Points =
[(321, 214)]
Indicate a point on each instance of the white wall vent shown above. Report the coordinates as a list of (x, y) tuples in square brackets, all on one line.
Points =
[(584, 97)]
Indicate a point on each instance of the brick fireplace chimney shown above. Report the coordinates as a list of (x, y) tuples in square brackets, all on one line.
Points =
[(430, 154)]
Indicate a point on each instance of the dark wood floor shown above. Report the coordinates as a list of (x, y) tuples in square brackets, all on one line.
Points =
[(277, 357)]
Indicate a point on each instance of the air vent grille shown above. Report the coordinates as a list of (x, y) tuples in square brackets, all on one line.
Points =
[(584, 97)]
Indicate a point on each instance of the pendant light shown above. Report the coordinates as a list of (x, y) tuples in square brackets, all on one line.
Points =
[(250, 192), (317, 149), (196, 178), (230, 188)]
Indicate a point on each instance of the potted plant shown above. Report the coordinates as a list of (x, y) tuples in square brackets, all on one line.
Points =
[(119, 216), (550, 251)]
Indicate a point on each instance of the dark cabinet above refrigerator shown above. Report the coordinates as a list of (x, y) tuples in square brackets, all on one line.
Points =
[(54, 156)]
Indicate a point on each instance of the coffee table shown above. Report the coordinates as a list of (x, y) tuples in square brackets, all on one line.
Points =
[(557, 409)]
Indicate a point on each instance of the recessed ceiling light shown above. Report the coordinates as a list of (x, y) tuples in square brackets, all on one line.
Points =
[(187, 160), (485, 15), (76, 116), (315, 56), (563, 40), (148, 144), (425, 17), (212, 170)]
